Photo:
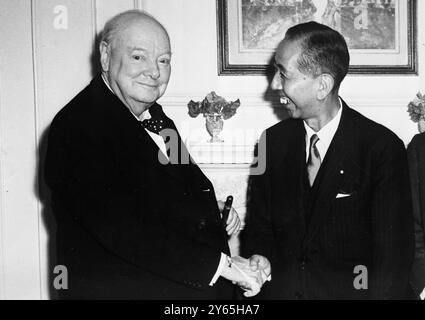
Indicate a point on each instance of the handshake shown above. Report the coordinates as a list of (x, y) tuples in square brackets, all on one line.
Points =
[(249, 274)]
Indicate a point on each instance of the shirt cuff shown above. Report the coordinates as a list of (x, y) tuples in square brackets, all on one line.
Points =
[(221, 265), (422, 296)]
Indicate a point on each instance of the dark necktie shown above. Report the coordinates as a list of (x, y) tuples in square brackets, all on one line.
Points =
[(313, 162)]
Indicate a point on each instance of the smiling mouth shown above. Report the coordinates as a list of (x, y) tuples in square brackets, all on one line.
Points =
[(147, 85), (284, 100)]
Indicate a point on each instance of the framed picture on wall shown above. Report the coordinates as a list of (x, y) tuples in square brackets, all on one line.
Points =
[(381, 34)]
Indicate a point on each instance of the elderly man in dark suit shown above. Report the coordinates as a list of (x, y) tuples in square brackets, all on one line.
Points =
[(132, 223), (332, 213), (416, 156)]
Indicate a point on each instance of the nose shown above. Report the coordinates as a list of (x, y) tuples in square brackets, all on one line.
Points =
[(152, 70), (276, 82)]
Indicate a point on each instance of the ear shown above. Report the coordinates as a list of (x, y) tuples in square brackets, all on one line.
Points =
[(105, 55), (326, 84)]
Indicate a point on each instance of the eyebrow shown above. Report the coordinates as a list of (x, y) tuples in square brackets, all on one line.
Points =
[(137, 48), (279, 66), (144, 50)]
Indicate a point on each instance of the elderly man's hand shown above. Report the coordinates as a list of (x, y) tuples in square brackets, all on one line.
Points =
[(261, 264), (253, 279), (240, 273), (233, 224)]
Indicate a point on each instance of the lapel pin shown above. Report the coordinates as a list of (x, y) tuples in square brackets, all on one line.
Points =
[(341, 172)]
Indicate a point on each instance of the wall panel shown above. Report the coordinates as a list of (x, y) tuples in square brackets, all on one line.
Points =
[(63, 44), (19, 265), (105, 9)]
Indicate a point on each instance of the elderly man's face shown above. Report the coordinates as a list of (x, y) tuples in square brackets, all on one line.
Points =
[(137, 64)]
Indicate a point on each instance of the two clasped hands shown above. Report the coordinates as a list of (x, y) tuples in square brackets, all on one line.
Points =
[(249, 274)]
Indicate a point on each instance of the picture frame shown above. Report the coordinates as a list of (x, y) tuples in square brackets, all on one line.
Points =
[(381, 34)]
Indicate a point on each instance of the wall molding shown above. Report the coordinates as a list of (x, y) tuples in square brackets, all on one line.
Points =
[(138, 4), (36, 105), (94, 28), (258, 101), (2, 209)]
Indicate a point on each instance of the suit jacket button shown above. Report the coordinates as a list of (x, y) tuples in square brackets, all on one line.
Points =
[(201, 224)]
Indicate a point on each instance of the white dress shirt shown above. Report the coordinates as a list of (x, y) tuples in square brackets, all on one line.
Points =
[(325, 135), (155, 137), (161, 145)]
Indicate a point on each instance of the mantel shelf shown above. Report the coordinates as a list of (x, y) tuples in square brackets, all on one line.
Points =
[(223, 154)]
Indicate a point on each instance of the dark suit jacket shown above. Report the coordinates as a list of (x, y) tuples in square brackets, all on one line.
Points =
[(416, 156), (128, 227), (371, 228)]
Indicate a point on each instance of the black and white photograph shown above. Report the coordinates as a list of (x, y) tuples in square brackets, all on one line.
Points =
[(212, 158)]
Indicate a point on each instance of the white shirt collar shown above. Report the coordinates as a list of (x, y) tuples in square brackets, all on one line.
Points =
[(106, 83), (325, 134)]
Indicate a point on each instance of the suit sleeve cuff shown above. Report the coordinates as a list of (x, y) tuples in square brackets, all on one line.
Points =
[(221, 265)]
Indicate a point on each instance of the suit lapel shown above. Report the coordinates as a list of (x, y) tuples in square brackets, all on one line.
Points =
[(292, 165), (330, 175), (117, 112), (161, 162), (178, 163)]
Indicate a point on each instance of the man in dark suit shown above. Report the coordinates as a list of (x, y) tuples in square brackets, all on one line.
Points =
[(132, 223), (416, 157), (332, 212)]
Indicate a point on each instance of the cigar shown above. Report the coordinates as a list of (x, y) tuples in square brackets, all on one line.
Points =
[(226, 210)]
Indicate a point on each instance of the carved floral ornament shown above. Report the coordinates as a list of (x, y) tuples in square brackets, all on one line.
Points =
[(416, 110), (215, 109)]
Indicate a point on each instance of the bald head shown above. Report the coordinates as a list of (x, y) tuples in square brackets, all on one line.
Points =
[(119, 23)]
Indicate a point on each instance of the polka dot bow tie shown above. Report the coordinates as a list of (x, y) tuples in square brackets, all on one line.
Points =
[(158, 120), (154, 125)]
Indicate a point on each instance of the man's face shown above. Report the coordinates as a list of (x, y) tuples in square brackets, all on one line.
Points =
[(297, 90), (138, 64)]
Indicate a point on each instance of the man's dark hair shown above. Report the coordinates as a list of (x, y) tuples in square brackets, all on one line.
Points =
[(323, 50)]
